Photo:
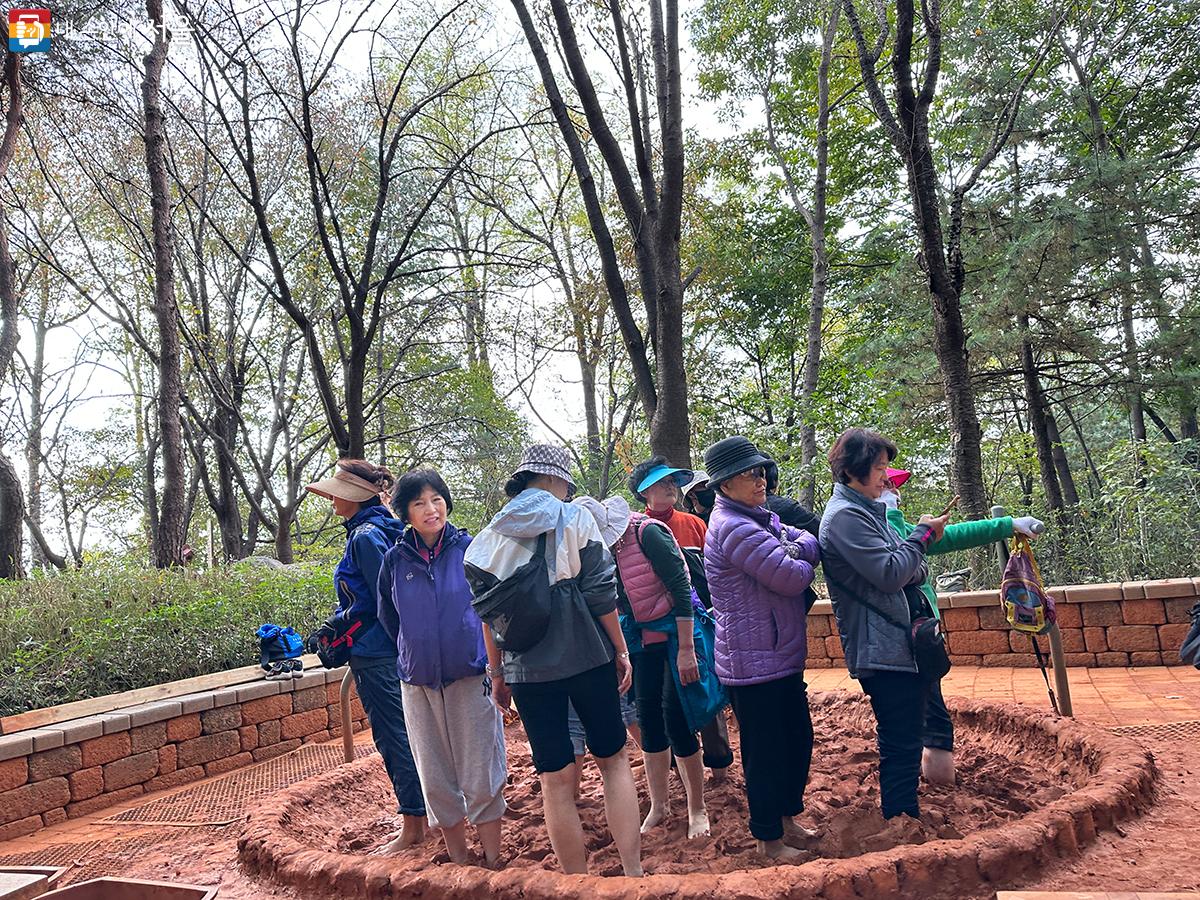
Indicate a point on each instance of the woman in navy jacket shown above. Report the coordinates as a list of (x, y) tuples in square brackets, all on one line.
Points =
[(370, 530)]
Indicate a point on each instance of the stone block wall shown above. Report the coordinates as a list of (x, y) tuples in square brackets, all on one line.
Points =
[(1137, 623), (59, 772)]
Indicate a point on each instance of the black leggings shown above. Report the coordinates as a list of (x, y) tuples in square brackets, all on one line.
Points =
[(777, 744), (543, 708), (939, 728), (660, 713)]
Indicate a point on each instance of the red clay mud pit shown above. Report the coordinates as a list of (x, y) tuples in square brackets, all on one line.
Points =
[(1032, 790)]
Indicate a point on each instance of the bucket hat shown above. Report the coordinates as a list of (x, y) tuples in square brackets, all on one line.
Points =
[(699, 480), (612, 516), (899, 476), (729, 456), (546, 459)]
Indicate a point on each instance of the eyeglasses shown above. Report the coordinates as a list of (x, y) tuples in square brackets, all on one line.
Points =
[(756, 474)]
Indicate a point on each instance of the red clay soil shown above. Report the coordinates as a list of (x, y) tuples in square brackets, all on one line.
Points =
[(1031, 790), (1159, 851)]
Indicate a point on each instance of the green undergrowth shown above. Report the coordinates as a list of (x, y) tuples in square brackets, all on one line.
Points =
[(106, 629)]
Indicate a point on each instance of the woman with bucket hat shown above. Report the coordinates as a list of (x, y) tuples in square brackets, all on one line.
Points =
[(698, 496), (937, 758), (758, 572), (356, 488), (545, 585), (658, 485), (673, 682)]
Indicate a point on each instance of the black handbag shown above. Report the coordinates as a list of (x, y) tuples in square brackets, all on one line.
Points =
[(517, 609)]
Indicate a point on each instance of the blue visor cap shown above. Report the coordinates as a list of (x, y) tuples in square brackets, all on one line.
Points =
[(658, 473)]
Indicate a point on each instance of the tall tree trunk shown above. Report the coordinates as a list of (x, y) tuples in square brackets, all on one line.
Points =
[(1061, 465), (228, 509), (12, 502), (354, 374), (283, 535), (1035, 402), (33, 441), (169, 537), (908, 130), (820, 272)]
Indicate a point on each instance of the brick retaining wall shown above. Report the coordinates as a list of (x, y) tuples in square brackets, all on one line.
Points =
[(1137, 623), (59, 772)]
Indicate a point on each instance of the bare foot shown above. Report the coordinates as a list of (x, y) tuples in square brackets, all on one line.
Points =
[(698, 824), (656, 816), (779, 851), (796, 835), (411, 834)]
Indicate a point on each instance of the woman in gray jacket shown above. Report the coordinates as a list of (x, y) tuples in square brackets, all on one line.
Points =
[(868, 565)]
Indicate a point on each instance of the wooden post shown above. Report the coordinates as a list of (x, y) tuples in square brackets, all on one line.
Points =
[(347, 730), (1062, 687)]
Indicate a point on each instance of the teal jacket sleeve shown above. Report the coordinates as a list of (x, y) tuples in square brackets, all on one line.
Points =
[(960, 535)]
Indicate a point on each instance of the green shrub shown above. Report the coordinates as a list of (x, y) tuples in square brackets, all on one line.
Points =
[(110, 628)]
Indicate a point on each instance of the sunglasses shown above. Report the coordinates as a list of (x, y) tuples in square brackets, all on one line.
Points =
[(758, 473)]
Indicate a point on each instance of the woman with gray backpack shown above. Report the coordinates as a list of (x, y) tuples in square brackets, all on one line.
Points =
[(545, 587)]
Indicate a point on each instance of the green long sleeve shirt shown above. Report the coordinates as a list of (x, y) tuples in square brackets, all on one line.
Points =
[(959, 536)]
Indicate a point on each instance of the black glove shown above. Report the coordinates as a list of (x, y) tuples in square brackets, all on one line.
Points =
[(328, 631)]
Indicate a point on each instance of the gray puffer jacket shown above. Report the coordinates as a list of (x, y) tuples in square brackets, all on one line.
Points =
[(864, 558)]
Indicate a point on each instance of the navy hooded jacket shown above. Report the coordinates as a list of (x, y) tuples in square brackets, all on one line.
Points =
[(369, 534)]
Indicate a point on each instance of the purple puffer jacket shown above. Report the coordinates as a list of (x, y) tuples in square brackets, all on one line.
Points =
[(757, 592)]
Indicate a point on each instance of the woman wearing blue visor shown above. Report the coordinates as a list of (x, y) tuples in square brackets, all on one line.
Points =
[(659, 486)]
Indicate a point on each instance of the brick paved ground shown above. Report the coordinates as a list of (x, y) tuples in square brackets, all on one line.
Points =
[(1151, 695)]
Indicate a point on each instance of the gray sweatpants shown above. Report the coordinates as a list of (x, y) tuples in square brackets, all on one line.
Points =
[(457, 739)]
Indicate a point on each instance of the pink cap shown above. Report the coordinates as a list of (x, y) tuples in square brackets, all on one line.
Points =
[(899, 476)]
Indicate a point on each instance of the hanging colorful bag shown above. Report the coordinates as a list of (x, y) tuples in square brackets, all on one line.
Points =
[(1027, 605)]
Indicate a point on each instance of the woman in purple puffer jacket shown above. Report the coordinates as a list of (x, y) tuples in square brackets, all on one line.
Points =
[(758, 573)]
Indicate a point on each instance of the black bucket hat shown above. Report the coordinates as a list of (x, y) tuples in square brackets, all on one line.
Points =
[(729, 456)]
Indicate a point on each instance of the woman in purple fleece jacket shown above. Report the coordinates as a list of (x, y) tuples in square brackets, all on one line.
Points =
[(758, 572)]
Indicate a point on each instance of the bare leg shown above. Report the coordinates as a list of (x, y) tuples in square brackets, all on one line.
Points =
[(635, 732), (456, 843), (937, 765), (621, 810), (658, 774), (412, 832), (692, 769), (578, 775), (562, 818), (489, 837)]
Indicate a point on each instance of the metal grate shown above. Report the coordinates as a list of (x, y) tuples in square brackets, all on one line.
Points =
[(1171, 731), (98, 859), (225, 800)]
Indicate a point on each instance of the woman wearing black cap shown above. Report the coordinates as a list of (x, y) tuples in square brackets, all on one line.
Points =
[(759, 571)]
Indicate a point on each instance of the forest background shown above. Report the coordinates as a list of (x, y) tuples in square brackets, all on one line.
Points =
[(241, 240)]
